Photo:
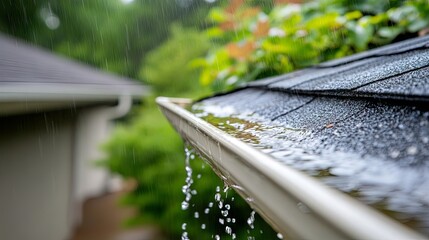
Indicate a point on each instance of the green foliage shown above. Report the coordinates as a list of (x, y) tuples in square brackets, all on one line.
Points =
[(104, 33), (150, 152), (246, 40), (253, 44), (167, 67)]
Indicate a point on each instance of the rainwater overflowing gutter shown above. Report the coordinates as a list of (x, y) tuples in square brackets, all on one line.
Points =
[(296, 205)]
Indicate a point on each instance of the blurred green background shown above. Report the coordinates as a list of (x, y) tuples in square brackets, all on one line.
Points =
[(190, 48)]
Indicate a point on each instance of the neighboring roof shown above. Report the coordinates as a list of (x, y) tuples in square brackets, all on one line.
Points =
[(359, 124), (28, 73)]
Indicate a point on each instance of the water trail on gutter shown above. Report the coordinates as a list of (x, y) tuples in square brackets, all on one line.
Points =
[(398, 190)]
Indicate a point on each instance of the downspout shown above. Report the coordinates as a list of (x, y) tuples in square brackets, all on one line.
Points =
[(125, 103)]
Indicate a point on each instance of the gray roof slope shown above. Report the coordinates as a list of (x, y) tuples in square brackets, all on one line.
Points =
[(361, 123), (380, 73), (27, 72)]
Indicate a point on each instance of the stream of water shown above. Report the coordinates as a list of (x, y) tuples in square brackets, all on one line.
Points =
[(218, 212)]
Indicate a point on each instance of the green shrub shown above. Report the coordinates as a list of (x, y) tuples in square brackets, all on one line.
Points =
[(167, 67), (254, 44), (149, 151), (245, 43)]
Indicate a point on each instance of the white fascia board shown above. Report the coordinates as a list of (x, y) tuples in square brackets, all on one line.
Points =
[(63, 92)]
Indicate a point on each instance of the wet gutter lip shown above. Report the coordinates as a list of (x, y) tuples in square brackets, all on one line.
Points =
[(280, 192)]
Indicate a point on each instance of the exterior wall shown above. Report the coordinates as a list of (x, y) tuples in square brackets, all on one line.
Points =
[(92, 129), (36, 165), (48, 168)]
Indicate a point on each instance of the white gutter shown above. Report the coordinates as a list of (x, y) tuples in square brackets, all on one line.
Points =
[(125, 103), (21, 98), (293, 203), (63, 92)]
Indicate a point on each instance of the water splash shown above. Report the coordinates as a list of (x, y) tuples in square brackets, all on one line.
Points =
[(219, 211), (187, 190), (251, 220)]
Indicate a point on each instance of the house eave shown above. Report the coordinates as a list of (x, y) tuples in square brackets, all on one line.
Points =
[(27, 98)]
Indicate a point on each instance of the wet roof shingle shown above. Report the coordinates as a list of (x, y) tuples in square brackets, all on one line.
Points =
[(392, 78), (361, 124), (380, 73)]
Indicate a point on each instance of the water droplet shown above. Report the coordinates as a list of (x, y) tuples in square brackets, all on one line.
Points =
[(194, 192), (217, 197), (233, 220), (228, 230), (188, 197), (279, 236), (203, 226), (185, 205), (185, 236), (184, 189), (233, 236), (184, 226), (220, 205), (217, 189), (227, 206), (303, 208), (196, 215), (217, 237), (394, 154), (251, 219), (412, 150), (206, 211), (210, 204), (221, 221), (224, 213), (199, 176)]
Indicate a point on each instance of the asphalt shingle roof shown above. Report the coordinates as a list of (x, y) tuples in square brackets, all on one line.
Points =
[(361, 123), (379, 73), (31, 70)]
